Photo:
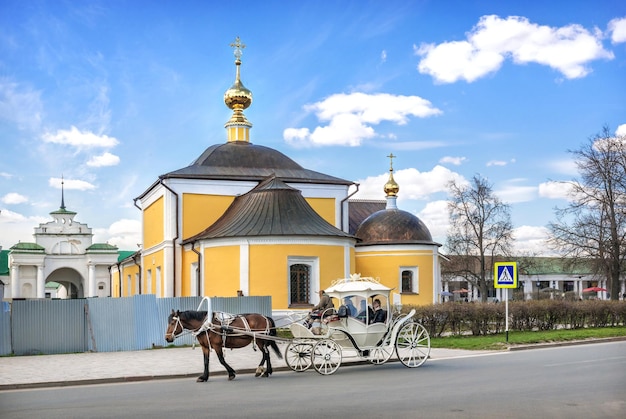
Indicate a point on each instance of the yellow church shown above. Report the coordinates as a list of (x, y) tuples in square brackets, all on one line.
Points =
[(244, 219)]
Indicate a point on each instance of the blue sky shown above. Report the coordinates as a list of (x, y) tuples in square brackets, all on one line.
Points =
[(112, 94)]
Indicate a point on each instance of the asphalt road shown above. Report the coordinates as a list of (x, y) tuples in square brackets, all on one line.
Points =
[(584, 381)]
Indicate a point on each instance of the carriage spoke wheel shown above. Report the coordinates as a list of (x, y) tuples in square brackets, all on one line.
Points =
[(380, 354), (326, 356), (298, 356), (412, 344)]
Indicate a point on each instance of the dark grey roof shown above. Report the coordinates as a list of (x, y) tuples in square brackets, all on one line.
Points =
[(242, 160), (272, 208), (393, 226), (360, 209)]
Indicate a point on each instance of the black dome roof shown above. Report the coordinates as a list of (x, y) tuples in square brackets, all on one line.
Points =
[(241, 160), (393, 226)]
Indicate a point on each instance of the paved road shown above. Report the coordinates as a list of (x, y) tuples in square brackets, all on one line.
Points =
[(584, 381), (102, 367)]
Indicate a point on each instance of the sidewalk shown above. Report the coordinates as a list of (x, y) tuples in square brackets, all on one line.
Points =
[(108, 367)]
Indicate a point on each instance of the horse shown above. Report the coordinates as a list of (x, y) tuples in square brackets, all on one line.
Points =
[(226, 333)]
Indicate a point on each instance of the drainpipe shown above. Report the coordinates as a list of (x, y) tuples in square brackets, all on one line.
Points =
[(139, 266), (198, 270), (344, 200), (175, 237)]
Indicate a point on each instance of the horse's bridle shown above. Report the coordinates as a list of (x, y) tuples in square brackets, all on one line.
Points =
[(173, 334)]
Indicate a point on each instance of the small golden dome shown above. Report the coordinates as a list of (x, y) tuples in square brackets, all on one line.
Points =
[(238, 96), (391, 187)]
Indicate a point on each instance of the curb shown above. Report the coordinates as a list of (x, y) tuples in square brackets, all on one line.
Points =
[(138, 378), (565, 343)]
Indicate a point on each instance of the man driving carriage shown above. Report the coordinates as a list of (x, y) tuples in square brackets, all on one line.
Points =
[(316, 312)]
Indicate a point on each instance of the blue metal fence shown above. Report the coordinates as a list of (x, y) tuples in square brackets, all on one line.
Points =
[(103, 324)]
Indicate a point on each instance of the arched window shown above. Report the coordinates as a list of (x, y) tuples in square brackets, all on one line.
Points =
[(300, 283)]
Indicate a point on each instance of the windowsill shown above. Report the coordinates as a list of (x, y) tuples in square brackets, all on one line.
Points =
[(409, 293), (300, 306)]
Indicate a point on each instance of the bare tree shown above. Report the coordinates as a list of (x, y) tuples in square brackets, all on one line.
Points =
[(480, 230), (593, 226)]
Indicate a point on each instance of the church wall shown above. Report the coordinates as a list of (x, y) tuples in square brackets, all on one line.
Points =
[(200, 211), (188, 258), (325, 207), (153, 224), (385, 264), (152, 262), (221, 271), (115, 285), (269, 271)]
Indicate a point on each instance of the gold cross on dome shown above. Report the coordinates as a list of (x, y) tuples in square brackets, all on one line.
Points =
[(391, 157), (238, 47)]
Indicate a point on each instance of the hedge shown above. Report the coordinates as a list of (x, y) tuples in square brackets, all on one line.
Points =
[(476, 318)]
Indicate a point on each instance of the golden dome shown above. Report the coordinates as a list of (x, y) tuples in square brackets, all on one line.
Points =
[(238, 97), (391, 187)]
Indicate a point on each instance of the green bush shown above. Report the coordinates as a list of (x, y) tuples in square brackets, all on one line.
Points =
[(545, 314)]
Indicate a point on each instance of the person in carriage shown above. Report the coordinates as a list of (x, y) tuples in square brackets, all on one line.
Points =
[(316, 312), (380, 315)]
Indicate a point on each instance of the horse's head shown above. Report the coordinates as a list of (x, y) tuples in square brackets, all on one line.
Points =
[(174, 326)]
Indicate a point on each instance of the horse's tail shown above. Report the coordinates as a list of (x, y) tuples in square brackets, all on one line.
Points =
[(272, 341)]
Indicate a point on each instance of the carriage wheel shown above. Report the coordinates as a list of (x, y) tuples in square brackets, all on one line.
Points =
[(412, 344), (298, 356), (326, 356), (380, 354)]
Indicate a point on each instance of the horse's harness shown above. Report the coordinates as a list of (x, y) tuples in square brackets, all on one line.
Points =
[(225, 328)]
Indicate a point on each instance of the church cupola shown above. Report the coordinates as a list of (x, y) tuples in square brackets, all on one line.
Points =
[(391, 187), (238, 98)]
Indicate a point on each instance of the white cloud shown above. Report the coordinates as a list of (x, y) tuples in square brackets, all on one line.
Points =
[(6, 175), (80, 185), (621, 131), (383, 56), (350, 117), (456, 161), (80, 139), (617, 28), (531, 240), (567, 49), (512, 193), (17, 228), (124, 233), (435, 216), (106, 159), (13, 198), (496, 163), (413, 183), (555, 190)]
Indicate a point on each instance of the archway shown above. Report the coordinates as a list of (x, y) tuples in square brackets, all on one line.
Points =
[(70, 280)]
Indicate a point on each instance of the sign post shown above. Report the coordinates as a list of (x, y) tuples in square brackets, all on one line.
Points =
[(505, 276)]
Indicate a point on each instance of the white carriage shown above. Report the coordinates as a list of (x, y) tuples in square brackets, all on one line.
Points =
[(340, 333)]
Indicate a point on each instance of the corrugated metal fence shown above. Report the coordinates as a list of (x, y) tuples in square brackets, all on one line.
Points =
[(103, 324)]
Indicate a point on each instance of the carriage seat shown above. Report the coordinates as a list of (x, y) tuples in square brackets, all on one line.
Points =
[(343, 312)]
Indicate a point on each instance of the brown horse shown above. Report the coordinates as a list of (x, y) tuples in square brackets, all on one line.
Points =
[(226, 334)]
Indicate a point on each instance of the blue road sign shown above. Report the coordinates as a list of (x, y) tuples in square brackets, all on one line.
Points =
[(505, 275)]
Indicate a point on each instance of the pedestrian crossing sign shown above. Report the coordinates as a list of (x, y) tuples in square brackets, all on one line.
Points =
[(505, 275)]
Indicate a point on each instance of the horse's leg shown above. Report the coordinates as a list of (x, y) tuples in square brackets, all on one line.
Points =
[(261, 369), (264, 371), (206, 351), (220, 356)]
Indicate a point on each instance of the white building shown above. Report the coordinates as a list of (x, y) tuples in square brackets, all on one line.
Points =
[(63, 254)]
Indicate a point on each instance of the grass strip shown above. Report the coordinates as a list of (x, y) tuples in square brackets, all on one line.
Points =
[(498, 341)]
